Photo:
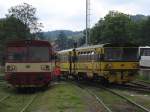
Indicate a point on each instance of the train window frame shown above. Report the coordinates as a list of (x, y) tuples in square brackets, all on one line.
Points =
[(109, 55), (122, 56), (11, 55)]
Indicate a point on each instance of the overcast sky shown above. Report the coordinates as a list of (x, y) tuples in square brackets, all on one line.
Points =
[(70, 14)]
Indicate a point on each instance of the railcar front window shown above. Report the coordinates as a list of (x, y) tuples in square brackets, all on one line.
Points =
[(39, 54), (17, 53), (113, 54), (121, 54)]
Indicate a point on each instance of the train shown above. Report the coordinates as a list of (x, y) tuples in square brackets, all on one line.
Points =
[(33, 63), (144, 53), (29, 63), (108, 63)]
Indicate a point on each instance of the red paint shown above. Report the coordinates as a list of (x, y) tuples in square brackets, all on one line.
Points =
[(28, 43), (28, 78)]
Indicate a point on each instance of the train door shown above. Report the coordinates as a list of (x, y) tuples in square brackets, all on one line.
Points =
[(74, 62), (70, 63), (100, 60)]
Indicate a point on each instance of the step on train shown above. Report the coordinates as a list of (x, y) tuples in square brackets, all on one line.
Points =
[(108, 63)]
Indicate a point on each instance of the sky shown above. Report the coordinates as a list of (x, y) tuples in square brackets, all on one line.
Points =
[(70, 14)]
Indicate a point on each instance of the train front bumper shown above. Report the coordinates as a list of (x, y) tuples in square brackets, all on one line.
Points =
[(28, 79)]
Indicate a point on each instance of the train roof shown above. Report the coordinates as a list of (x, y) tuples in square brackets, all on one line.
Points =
[(100, 46), (144, 47), (20, 43), (109, 45), (64, 51)]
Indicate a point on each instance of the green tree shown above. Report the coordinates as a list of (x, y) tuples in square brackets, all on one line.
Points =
[(12, 29), (61, 41), (96, 32), (27, 14), (115, 27), (70, 43), (82, 40), (144, 32)]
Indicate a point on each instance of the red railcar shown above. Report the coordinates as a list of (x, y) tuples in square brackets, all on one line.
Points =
[(29, 63)]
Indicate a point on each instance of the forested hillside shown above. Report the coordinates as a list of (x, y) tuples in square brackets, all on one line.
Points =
[(114, 27)]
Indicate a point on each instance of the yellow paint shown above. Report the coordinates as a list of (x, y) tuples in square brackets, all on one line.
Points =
[(108, 70), (120, 65), (99, 67)]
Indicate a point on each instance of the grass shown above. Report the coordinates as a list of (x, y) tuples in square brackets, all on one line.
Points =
[(144, 77), (64, 97), (15, 102), (61, 98), (3, 90), (2, 72), (115, 103), (141, 98)]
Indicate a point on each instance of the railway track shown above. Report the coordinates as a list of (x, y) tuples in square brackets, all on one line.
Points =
[(142, 84), (4, 98), (25, 107), (133, 87), (28, 104), (99, 99), (128, 100)]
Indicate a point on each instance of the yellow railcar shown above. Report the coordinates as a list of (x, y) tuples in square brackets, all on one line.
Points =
[(109, 63)]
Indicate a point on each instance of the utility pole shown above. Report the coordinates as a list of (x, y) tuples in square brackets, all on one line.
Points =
[(87, 21)]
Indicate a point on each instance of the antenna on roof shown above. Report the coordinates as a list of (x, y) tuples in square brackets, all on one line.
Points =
[(87, 22)]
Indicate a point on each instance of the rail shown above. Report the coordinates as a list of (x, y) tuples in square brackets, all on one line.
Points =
[(5, 97), (125, 98), (28, 104), (95, 96)]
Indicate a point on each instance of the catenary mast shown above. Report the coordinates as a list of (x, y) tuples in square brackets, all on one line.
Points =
[(87, 22)]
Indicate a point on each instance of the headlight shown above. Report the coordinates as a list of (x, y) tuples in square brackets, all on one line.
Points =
[(45, 67), (11, 68)]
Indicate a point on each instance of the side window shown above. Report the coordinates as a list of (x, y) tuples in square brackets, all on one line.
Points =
[(93, 56), (101, 56)]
